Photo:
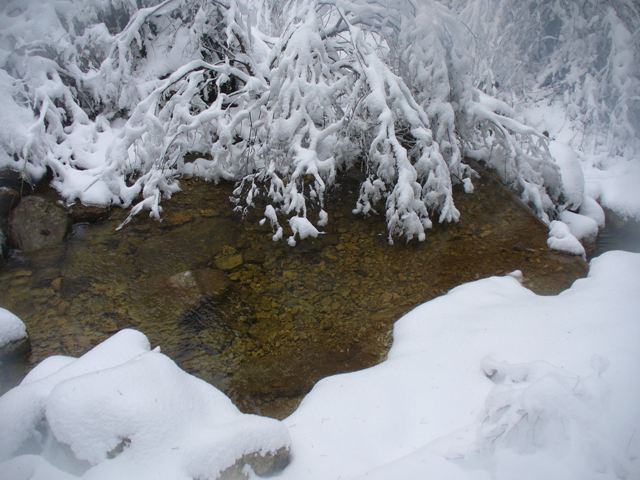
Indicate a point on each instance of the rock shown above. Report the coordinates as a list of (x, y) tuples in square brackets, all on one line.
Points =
[(206, 282), (228, 258), (177, 218), (16, 348), (14, 180), (213, 283), (183, 280), (36, 223), (9, 198), (88, 214), (56, 284), (254, 256), (262, 464)]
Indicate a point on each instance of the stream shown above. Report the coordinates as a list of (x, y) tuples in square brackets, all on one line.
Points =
[(258, 319)]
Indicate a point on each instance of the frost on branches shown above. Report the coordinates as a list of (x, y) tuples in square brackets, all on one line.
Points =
[(121, 98)]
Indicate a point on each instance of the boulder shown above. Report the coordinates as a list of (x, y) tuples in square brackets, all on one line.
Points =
[(36, 223)]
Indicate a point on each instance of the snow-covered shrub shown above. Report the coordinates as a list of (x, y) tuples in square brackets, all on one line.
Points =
[(279, 96), (573, 68)]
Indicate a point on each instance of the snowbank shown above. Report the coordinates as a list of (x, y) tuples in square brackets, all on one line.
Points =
[(490, 381), (125, 411), (11, 328)]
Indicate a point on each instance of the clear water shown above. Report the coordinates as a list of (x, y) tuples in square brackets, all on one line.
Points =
[(288, 316)]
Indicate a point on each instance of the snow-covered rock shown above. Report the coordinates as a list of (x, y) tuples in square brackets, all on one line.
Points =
[(582, 227), (592, 209), (560, 238), (125, 411), (13, 334)]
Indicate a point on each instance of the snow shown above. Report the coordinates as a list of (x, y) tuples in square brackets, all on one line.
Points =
[(561, 238), (571, 172), (302, 228), (12, 328), (490, 382), (582, 227), (125, 409)]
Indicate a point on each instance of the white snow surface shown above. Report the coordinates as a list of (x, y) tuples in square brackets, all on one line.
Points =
[(489, 381), (611, 180), (125, 411), (561, 238), (11, 328)]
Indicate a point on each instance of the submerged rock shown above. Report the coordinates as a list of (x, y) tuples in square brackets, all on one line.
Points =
[(207, 282), (36, 223), (228, 258), (89, 214)]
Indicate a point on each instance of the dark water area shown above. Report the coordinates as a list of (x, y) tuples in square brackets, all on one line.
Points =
[(617, 234), (261, 320)]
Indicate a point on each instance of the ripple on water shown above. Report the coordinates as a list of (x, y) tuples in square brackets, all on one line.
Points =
[(284, 317)]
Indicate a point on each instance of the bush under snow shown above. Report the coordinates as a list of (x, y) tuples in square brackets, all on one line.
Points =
[(280, 96)]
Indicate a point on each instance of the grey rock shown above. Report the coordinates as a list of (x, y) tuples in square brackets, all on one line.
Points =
[(17, 348), (36, 223), (262, 464)]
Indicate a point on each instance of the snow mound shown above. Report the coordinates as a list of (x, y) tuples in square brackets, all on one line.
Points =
[(125, 411), (582, 227), (570, 172), (11, 328), (561, 238), (490, 381)]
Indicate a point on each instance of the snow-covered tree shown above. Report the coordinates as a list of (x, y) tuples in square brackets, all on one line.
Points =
[(119, 99), (583, 55)]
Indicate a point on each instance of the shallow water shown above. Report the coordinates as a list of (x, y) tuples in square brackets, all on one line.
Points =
[(260, 320), (617, 234)]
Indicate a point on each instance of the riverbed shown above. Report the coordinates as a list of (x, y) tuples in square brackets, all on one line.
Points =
[(258, 319)]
